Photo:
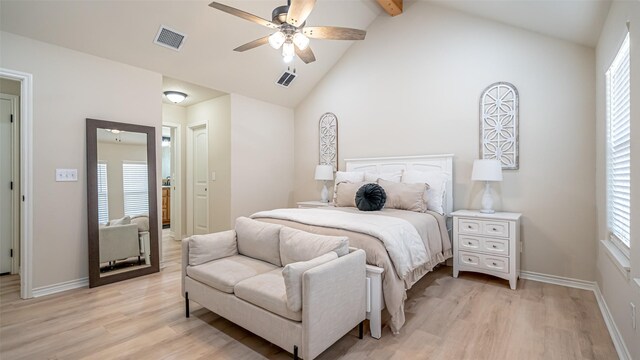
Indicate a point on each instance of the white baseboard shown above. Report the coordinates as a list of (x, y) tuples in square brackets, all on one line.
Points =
[(63, 286), (616, 336)]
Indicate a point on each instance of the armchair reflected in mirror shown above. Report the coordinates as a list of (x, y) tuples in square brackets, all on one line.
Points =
[(122, 203)]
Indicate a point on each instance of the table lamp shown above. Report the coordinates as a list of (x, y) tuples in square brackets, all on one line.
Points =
[(324, 173), (487, 170)]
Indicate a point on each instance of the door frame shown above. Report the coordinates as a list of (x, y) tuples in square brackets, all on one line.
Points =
[(26, 178), (15, 170), (176, 179), (190, 129)]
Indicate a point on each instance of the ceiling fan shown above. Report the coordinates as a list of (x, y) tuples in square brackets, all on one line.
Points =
[(292, 34)]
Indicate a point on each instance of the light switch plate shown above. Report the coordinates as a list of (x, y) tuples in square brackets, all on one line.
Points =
[(66, 174), (213, 176)]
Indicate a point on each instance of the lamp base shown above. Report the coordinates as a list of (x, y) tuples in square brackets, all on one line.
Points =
[(487, 211), (487, 199), (324, 194)]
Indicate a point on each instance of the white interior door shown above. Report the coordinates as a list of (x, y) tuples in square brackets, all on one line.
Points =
[(6, 179), (200, 184)]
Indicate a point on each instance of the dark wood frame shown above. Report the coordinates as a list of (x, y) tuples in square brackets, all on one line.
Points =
[(92, 201)]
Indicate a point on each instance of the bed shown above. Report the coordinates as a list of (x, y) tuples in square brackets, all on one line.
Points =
[(388, 277)]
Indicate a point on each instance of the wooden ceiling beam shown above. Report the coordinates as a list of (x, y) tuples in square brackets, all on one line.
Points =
[(392, 7)]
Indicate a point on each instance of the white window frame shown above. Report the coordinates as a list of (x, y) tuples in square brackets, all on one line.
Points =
[(104, 195), (618, 116), (144, 186)]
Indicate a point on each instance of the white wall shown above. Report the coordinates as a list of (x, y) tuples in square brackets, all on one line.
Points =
[(178, 115), (617, 290), (413, 87), (68, 87), (261, 156), (217, 114)]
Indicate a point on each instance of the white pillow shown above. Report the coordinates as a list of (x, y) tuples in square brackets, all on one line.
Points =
[(209, 247), (346, 176), (292, 274), (437, 181), (393, 177), (297, 245), (122, 221)]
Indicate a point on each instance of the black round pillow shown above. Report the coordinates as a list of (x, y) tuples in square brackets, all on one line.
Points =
[(370, 197)]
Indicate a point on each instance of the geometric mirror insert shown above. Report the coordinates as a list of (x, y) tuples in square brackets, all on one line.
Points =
[(499, 124)]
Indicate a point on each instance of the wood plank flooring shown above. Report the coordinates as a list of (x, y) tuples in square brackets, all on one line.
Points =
[(472, 317)]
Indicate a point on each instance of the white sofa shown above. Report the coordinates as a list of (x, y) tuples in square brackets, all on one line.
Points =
[(298, 290)]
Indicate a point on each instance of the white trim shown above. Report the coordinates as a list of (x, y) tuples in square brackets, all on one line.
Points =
[(26, 178), (616, 336), (617, 257), (15, 172), (59, 287), (176, 181), (558, 280), (614, 333), (189, 200)]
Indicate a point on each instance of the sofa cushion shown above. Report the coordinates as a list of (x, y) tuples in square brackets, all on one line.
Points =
[(267, 291), (223, 274), (203, 248), (259, 240), (297, 245), (292, 274)]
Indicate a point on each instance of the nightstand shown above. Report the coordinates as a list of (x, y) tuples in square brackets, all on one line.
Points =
[(487, 243), (313, 204)]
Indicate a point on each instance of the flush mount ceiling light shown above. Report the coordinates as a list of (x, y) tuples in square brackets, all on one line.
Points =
[(291, 32), (175, 97)]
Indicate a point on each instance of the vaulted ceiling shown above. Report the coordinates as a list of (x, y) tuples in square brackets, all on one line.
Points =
[(124, 31)]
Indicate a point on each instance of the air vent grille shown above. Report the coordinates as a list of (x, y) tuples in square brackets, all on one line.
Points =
[(169, 38), (286, 78)]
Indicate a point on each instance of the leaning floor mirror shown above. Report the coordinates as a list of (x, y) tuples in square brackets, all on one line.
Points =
[(121, 201)]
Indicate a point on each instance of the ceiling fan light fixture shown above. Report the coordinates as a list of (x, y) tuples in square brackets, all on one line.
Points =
[(175, 97), (277, 39), (301, 41), (288, 51)]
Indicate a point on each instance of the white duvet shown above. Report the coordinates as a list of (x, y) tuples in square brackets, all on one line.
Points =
[(401, 239)]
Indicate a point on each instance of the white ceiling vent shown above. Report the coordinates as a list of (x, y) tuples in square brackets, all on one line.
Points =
[(286, 78), (169, 38)]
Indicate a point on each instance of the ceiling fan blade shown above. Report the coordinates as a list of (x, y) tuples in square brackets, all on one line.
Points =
[(252, 44), (306, 55), (333, 33), (243, 14), (299, 10)]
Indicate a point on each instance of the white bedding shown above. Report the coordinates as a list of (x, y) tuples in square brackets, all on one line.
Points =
[(405, 246)]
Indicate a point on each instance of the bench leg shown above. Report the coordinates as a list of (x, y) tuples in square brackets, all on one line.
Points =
[(361, 330), (295, 352), (186, 303)]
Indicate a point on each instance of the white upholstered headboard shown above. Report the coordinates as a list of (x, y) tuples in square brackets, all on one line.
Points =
[(442, 162)]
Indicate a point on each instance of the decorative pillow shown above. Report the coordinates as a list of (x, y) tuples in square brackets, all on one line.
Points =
[(142, 221), (205, 248), (259, 240), (370, 197), (405, 196), (123, 221), (437, 181), (373, 177), (292, 274), (297, 245), (346, 194), (346, 176)]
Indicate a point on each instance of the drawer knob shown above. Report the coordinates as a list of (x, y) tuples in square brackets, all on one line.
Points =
[(469, 260), (468, 226), (494, 229), (494, 246), (494, 264), (469, 243)]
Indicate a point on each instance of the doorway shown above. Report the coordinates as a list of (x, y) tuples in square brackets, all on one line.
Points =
[(197, 179), (9, 177), (171, 181)]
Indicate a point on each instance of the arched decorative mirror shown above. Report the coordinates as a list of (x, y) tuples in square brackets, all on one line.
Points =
[(121, 200)]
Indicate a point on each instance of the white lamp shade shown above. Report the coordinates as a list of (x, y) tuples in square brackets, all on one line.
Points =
[(324, 172), (486, 170)]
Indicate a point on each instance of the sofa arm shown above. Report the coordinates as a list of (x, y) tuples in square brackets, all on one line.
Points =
[(199, 249), (333, 301)]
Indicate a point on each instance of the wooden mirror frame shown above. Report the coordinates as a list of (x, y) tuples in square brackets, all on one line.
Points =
[(92, 202)]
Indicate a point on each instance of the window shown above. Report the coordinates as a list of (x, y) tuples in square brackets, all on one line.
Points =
[(619, 149), (103, 196), (135, 187)]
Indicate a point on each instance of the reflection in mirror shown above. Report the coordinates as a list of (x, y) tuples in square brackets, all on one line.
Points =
[(122, 206), (123, 201)]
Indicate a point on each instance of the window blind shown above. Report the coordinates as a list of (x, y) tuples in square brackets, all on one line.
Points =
[(135, 188), (103, 194), (619, 147)]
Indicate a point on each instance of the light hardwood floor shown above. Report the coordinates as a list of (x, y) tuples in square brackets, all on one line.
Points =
[(472, 317)]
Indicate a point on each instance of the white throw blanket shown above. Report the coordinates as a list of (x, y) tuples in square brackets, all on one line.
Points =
[(402, 241)]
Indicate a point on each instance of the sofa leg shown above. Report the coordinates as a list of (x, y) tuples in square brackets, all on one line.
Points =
[(186, 304), (361, 330), (295, 352)]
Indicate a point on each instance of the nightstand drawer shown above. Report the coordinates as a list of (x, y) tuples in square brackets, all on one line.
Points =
[(468, 226), (477, 243), (495, 228), (481, 261)]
